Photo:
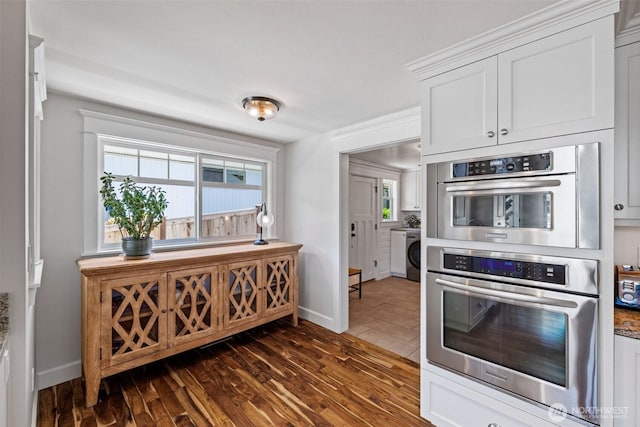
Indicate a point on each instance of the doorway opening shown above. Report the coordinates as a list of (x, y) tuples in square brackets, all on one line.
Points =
[(388, 314)]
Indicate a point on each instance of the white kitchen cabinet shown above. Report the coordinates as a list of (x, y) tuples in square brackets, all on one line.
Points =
[(447, 403), (626, 394), (410, 187), (459, 108), (398, 253), (627, 133), (4, 387), (554, 86)]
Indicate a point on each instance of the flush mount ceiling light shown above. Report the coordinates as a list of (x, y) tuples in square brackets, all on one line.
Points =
[(260, 107)]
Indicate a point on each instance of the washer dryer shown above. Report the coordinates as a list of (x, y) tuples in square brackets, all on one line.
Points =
[(413, 254)]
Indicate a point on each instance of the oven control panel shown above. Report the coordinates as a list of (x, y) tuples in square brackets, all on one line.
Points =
[(503, 165), (539, 272)]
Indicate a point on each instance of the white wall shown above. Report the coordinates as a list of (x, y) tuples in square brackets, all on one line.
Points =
[(13, 206), (627, 244), (58, 305), (317, 209)]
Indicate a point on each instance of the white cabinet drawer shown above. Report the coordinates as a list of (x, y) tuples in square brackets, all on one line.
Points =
[(446, 403)]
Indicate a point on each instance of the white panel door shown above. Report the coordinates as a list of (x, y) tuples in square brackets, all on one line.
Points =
[(363, 209), (627, 132), (459, 108), (558, 85)]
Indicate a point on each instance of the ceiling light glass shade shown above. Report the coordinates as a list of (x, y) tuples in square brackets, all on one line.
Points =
[(260, 107)]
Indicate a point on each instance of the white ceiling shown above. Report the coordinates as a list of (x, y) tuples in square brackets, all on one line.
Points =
[(331, 63)]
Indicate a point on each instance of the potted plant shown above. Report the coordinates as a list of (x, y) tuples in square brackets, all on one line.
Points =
[(136, 210)]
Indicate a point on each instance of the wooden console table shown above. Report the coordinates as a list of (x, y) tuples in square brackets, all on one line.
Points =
[(138, 311)]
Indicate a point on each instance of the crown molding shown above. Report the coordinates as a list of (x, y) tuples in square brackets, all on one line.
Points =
[(545, 22), (628, 23), (375, 125)]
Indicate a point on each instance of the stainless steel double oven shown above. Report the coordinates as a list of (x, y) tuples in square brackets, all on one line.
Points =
[(523, 322)]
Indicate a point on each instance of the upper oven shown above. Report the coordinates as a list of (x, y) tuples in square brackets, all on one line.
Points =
[(546, 197)]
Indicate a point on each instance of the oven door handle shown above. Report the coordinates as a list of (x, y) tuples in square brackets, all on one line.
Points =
[(506, 295), (504, 185)]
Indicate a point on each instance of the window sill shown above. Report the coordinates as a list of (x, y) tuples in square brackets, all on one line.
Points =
[(176, 247)]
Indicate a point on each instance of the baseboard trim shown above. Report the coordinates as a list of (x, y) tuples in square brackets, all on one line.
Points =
[(317, 318), (59, 374), (384, 275)]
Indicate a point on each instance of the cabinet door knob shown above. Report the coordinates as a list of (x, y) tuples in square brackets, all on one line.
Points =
[(164, 310), (618, 206), (503, 131), (491, 134)]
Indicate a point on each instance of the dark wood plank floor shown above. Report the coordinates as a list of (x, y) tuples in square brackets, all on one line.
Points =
[(273, 375)]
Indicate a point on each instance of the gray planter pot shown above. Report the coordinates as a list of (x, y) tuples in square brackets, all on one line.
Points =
[(137, 248)]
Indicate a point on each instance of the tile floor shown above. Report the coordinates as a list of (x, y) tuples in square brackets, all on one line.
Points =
[(388, 315)]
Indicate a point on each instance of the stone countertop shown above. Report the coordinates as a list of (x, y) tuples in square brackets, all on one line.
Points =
[(4, 319), (626, 322)]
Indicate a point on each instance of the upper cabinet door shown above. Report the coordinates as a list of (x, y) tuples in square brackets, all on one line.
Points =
[(459, 108), (410, 191), (558, 85), (627, 133)]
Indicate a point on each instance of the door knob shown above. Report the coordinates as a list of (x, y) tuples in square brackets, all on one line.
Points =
[(503, 131), (618, 206)]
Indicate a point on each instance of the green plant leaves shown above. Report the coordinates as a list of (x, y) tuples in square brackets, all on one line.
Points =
[(135, 209)]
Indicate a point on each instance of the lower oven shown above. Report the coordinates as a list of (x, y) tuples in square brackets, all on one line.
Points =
[(523, 323)]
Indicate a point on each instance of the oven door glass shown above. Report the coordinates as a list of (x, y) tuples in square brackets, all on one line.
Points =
[(534, 211), (529, 340), (514, 210)]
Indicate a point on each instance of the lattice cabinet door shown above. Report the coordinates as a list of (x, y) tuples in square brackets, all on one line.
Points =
[(193, 304), (133, 319), (279, 288), (240, 296)]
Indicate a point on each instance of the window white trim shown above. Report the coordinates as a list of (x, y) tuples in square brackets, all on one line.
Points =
[(98, 124)]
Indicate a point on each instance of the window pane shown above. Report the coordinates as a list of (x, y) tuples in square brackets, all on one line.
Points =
[(212, 170), (120, 161), (236, 176), (153, 164), (254, 177), (181, 212), (181, 167), (179, 216), (229, 211), (389, 198)]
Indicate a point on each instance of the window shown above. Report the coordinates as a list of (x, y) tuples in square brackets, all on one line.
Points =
[(389, 200), (209, 197)]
